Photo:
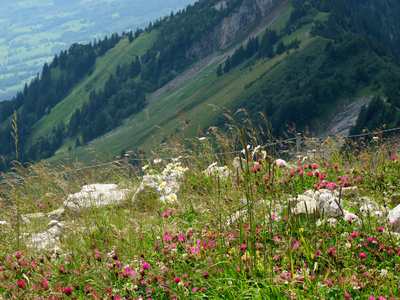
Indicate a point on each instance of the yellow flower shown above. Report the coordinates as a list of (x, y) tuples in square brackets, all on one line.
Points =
[(246, 256), (301, 230)]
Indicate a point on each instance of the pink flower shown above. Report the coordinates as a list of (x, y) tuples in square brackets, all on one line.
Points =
[(362, 255), (177, 279), (22, 284), (146, 266), (206, 274), (380, 229), (68, 291), (243, 246), (335, 166), (165, 215), (203, 289), (195, 289), (347, 295)]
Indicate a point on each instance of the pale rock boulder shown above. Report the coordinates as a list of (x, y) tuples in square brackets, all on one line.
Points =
[(299, 198), (329, 204), (305, 207), (49, 239), (350, 217), (96, 195), (369, 208), (54, 215), (350, 192), (394, 218)]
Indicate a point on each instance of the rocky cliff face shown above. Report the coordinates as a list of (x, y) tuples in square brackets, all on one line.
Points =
[(233, 26)]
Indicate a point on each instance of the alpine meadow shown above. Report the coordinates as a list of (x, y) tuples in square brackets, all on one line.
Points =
[(239, 149)]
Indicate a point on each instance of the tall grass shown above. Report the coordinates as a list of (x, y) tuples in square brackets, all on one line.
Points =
[(230, 234)]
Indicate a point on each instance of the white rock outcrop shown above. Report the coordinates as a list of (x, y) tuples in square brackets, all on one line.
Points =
[(49, 239), (97, 195)]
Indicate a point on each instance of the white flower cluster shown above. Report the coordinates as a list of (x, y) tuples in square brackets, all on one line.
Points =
[(170, 180)]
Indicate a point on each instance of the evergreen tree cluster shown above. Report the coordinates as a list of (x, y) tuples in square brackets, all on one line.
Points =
[(312, 83), (376, 20), (121, 97), (41, 95), (265, 48)]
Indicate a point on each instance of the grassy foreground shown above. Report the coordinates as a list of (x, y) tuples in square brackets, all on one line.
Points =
[(228, 234)]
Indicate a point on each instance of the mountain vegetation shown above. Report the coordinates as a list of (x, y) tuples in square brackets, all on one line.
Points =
[(294, 72)]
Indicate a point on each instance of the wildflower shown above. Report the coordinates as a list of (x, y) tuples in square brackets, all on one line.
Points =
[(380, 229), (301, 230), (172, 197), (256, 149), (157, 161), (206, 274), (68, 291), (243, 246), (145, 167), (21, 284), (203, 289), (146, 266), (177, 279), (165, 215), (195, 289), (264, 153), (277, 240), (353, 234), (202, 138), (335, 166), (347, 295), (362, 255), (162, 185)]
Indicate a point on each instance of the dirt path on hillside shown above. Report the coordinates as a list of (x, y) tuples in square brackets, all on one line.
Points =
[(203, 63)]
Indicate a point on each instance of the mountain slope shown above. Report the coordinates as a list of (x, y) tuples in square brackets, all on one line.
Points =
[(295, 63)]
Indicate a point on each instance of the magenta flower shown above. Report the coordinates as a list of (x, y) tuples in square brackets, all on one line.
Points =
[(347, 295), (146, 266), (165, 215), (68, 291), (22, 284), (380, 229), (243, 246), (362, 255), (177, 279), (195, 289), (353, 234)]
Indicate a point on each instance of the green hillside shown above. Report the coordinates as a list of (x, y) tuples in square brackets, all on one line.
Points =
[(294, 71)]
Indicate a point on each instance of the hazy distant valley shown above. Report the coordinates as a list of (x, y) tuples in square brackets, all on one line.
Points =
[(32, 32)]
